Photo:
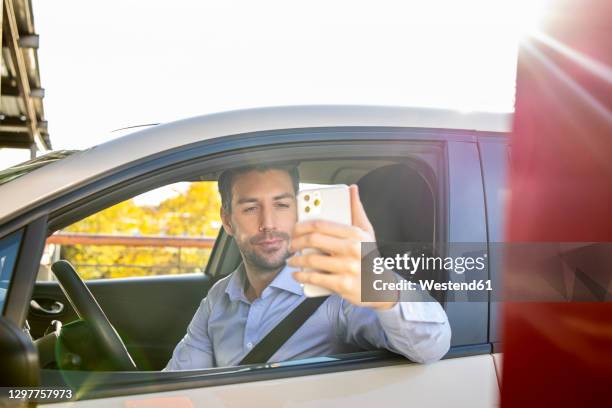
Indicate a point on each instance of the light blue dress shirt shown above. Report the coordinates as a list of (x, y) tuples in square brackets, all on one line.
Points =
[(227, 326)]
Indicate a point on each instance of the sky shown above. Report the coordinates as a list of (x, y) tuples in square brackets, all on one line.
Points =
[(111, 64)]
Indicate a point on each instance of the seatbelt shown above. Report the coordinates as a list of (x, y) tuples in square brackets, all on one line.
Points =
[(279, 335)]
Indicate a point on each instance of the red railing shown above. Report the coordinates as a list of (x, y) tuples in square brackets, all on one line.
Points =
[(129, 240), (134, 241)]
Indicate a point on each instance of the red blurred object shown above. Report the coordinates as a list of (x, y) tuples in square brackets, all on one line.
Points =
[(561, 180)]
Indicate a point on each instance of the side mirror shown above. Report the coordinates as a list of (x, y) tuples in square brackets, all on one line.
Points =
[(19, 357)]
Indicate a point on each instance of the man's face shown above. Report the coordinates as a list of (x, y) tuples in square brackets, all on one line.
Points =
[(263, 215)]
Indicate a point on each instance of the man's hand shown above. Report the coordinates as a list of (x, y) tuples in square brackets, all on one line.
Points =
[(341, 258)]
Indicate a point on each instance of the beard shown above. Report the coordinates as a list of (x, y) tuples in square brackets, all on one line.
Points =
[(265, 261)]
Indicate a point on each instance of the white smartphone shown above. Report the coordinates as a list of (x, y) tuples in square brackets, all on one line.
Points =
[(330, 203)]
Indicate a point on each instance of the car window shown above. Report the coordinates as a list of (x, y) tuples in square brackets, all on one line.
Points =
[(167, 231), (9, 248)]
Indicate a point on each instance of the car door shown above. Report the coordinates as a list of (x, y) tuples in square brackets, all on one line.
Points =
[(469, 363), (469, 370)]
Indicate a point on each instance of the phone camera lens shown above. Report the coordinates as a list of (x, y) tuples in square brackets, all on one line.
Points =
[(307, 209), (306, 197)]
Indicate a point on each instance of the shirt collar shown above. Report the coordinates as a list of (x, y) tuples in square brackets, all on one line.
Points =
[(284, 281), (235, 286)]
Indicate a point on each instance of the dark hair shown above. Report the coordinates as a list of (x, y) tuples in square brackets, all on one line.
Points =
[(226, 179)]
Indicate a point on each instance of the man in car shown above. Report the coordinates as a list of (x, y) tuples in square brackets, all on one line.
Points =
[(259, 211)]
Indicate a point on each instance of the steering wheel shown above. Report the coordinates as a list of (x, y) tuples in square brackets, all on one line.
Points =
[(88, 309)]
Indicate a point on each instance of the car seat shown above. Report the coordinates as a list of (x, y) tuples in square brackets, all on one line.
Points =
[(401, 208)]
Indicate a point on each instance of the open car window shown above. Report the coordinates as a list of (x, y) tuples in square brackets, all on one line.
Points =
[(166, 231)]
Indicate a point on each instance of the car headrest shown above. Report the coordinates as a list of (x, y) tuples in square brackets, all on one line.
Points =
[(399, 204)]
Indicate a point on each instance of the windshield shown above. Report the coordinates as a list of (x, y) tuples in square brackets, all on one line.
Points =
[(26, 167)]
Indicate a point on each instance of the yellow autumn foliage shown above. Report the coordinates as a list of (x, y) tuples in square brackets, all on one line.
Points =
[(191, 213)]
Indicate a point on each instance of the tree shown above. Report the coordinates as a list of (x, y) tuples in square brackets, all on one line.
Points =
[(192, 213)]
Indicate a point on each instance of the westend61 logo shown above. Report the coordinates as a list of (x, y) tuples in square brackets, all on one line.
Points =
[(407, 264), (417, 268)]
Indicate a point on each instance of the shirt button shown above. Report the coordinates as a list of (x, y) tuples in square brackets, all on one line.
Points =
[(250, 345)]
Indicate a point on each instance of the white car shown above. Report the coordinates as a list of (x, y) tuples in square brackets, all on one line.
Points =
[(456, 161)]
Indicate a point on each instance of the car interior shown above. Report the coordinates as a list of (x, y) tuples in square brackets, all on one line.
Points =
[(133, 324)]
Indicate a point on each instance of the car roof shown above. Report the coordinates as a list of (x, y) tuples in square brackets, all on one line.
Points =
[(53, 179)]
